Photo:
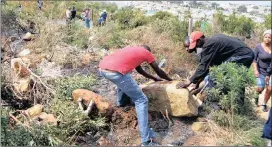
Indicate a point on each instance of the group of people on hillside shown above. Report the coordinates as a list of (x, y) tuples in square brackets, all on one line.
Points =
[(217, 49), (86, 16)]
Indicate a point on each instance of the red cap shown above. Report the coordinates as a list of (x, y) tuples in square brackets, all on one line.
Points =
[(193, 38)]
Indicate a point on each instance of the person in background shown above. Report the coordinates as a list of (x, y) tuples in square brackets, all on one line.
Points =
[(83, 15), (20, 7), (68, 15), (87, 18), (117, 68), (40, 4), (261, 63), (104, 15), (100, 22), (73, 13)]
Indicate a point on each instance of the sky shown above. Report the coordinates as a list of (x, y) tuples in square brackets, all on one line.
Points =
[(123, 3)]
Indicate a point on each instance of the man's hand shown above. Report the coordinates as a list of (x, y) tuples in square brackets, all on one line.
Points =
[(183, 85), (267, 78)]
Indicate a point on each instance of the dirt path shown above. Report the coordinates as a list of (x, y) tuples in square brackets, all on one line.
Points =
[(260, 113)]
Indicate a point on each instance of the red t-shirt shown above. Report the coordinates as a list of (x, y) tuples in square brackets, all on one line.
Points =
[(126, 59)]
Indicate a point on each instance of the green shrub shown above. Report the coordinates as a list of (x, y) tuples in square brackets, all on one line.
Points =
[(134, 18), (109, 37), (234, 24), (65, 86), (72, 123), (177, 29), (268, 21), (231, 80), (76, 35), (162, 15)]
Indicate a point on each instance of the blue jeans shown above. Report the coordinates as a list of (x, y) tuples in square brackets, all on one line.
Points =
[(126, 84), (87, 23)]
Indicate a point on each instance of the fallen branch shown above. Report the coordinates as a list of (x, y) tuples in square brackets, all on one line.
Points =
[(16, 120)]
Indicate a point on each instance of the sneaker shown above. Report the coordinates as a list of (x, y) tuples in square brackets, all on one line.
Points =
[(150, 143)]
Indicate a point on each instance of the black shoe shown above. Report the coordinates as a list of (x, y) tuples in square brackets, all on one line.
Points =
[(150, 143), (264, 108)]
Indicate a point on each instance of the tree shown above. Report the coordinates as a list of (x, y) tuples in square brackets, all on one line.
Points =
[(242, 9), (268, 21)]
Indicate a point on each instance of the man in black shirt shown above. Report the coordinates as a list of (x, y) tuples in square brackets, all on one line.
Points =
[(216, 49), (73, 13)]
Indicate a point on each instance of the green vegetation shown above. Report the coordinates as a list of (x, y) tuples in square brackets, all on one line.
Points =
[(65, 86), (163, 32), (239, 117), (234, 24), (268, 21), (72, 122)]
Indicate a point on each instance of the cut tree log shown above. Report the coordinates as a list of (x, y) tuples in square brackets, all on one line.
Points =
[(103, 106), (164, 95)]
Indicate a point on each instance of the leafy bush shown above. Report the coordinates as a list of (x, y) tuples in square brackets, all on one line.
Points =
[(109, 37), (127, 17), (233, 24), (177, 29), (72, 124), (65, 86), (230, 82), (76, 35), (162, 15), (268, 21)]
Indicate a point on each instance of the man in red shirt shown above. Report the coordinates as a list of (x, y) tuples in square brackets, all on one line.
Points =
[(117, 68)]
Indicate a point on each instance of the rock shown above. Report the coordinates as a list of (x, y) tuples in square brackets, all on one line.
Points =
[(200, 126), (22, 84), (164, 95), (47, 118), (23, 53), (103, 106), (18, 66), (28, 36), (86, 59), (35, 110)]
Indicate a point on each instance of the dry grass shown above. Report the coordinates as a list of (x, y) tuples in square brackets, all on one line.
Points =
[(162, 47)]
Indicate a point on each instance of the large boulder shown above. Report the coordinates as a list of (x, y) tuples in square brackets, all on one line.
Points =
[(164, 95), (103, 106)]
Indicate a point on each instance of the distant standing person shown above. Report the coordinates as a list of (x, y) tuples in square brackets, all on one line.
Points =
[(20, 7), (88, 18), (73, 13), (261, 63), (83, 15), (104, 15), (68, 15), (40, 4)]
